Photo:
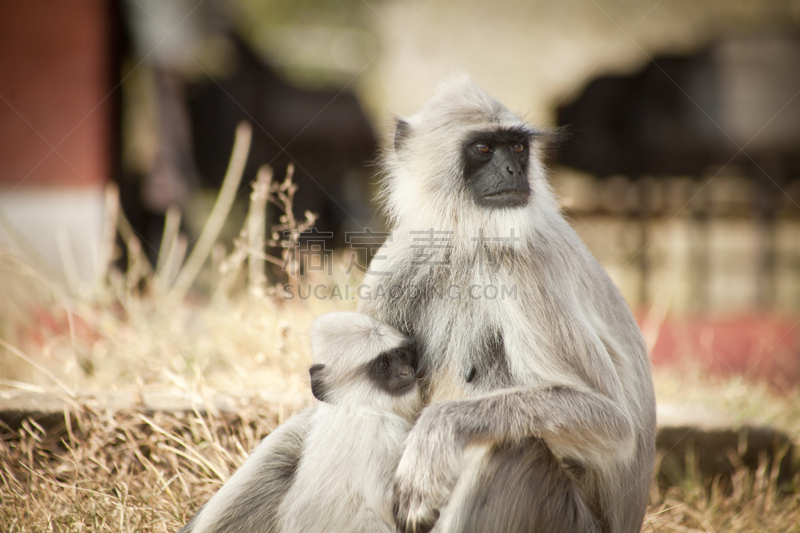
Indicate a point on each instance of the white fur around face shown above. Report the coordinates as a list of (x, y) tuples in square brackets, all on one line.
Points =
[(347, 339), (428, 191), (344, 342)]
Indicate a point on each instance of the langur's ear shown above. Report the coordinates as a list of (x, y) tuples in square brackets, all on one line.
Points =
[(318, 387), (401, 134)]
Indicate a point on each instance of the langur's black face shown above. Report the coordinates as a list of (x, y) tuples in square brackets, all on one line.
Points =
[(394, 371), (496, 168)]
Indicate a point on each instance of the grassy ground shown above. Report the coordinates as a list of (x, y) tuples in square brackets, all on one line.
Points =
[(136, 473), (753, 502)]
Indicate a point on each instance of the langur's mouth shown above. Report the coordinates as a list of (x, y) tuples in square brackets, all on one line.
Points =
[(508, 192), (399, 391), (507, 198)]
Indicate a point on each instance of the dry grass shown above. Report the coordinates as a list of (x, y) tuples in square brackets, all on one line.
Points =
[(212, 319), (134, 330), (754, 502), (123, 473), (136, 473)]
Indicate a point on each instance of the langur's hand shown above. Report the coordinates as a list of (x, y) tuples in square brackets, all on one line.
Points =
[(427, 471)]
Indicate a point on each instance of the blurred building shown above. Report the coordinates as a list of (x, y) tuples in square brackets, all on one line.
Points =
[(695, 166)]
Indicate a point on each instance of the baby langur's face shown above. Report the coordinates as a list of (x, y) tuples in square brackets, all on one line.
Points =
[(395, 370), (361, 361)]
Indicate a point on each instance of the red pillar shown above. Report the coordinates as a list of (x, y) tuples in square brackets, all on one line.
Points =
[(54, 87)]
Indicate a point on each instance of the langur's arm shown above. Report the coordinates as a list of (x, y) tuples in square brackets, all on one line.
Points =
[(574, 420)]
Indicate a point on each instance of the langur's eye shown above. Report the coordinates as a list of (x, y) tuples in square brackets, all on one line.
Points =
[(518, 148), (382, 365), (483, 148)]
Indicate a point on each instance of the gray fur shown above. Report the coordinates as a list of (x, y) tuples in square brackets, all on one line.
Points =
[(330, 467), (544, 499), (343, 482), (572, 374)]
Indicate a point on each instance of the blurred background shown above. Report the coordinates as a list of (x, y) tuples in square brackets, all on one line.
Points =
[(680, 168), (144, 255)]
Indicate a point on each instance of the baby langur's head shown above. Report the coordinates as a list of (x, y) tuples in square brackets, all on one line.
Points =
[(359, 360)]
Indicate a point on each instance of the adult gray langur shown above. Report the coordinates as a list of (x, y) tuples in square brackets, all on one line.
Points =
[(330, 468), (541, 412)]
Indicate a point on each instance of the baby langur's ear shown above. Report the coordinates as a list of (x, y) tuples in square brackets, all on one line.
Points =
[(318, 386)]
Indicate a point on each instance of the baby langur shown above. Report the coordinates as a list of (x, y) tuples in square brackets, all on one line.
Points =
[(364, 375)]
